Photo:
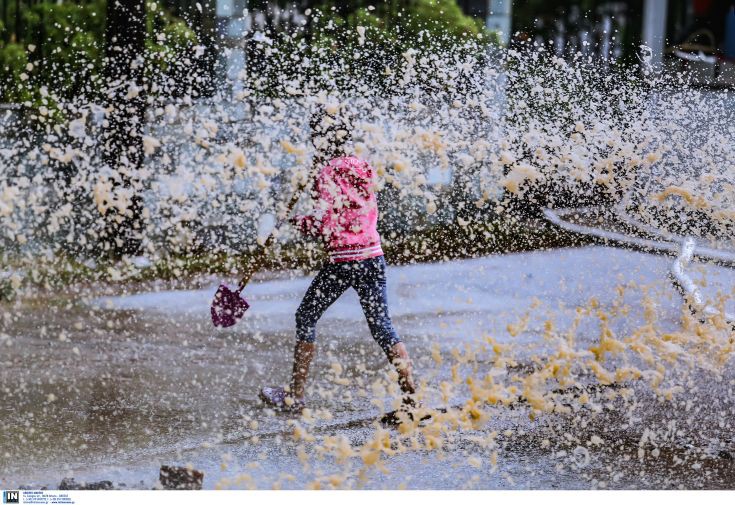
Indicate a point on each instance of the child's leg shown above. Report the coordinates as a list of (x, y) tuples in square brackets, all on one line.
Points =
[(302, 355), (369, 281), (327, 286), (398, 355)]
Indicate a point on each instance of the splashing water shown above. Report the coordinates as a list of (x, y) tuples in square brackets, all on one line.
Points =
[(510, 131)]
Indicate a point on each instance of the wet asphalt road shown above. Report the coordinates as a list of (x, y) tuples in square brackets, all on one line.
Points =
[(110, 388)]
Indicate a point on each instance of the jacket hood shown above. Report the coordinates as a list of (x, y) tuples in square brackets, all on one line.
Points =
[(352, 167)]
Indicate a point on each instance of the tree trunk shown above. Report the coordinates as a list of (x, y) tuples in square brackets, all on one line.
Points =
[(18, 32), (125, 33), (202, 16)]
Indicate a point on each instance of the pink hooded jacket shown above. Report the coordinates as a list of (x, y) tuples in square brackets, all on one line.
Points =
[(346, 214)]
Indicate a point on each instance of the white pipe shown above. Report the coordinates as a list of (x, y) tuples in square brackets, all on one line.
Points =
[(687, 250), (689, 289), (682, 281), (670, 245), (554, 216)]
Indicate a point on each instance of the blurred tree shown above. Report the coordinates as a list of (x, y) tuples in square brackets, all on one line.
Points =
[(330, 31), (400, 20), (125, 33), (201, 16), (65, 42), (570, 22)]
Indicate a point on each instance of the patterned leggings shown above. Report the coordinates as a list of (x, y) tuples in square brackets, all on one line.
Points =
[(367, 277)]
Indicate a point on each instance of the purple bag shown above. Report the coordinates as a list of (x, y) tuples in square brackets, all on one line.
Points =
[(228, 307)]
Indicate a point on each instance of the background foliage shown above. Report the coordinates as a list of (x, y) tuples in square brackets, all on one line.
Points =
[(60, 46), (61, 49)]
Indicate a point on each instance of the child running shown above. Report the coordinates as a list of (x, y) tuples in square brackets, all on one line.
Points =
[(345, 220)]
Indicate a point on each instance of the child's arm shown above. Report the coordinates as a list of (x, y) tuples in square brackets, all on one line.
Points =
[(310, 225)]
